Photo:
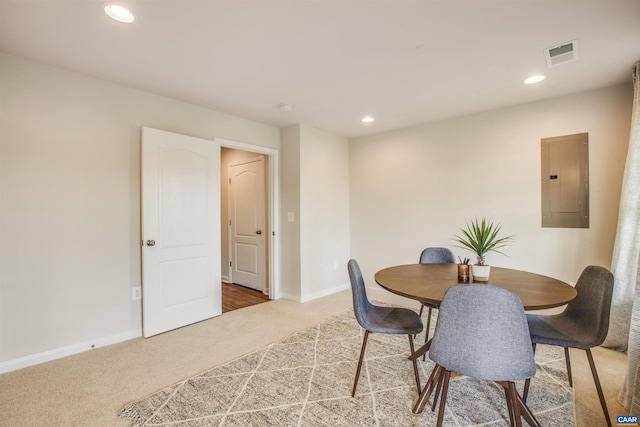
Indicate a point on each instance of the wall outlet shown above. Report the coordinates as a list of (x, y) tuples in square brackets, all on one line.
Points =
[(136, 293)]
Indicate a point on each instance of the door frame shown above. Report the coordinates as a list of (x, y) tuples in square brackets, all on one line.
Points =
[(272, 183)]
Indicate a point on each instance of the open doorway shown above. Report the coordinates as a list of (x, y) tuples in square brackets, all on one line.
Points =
[(245, 228), (236, 296)]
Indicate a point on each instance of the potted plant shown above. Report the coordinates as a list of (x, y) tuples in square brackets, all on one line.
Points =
[(481, 237)]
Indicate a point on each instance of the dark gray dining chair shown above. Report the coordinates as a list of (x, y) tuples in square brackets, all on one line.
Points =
[(583, 324), (381, 320), (434, 256), (482, 333)]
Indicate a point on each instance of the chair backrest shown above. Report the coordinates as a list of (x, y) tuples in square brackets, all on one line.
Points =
[(437, 256), (361, 304), (592, 306), (482, 332)]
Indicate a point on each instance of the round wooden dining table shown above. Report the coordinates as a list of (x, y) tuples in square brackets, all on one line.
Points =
[(428, 283)]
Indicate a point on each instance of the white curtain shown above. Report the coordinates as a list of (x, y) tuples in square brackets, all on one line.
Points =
[(624, 329)]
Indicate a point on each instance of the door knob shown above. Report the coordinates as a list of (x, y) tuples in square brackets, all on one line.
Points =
[(259, 232), (151, 242)]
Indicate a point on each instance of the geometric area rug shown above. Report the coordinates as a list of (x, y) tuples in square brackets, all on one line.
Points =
[(306, 380)]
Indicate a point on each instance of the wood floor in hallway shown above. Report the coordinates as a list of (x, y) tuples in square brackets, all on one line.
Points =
[(236, 296)]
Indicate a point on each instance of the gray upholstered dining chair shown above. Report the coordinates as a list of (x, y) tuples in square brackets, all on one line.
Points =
[(434, 256), (583, 324), (482, 333), (381, 320), (437, 256)]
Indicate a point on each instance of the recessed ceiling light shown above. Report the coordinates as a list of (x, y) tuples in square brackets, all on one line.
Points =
[(367, 119), (119, 13), (534, 79)]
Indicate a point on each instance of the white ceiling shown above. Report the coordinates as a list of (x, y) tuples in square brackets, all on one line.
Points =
[(403, 62)]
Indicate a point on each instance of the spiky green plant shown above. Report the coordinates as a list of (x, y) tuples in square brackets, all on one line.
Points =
[(481, 237)]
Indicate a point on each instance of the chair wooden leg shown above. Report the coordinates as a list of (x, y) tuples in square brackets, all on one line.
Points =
[(426, 334), (419, 314), (415, 364), (443, 399), (526, 412), (568, 363), (525, 392), (438, 391), (364, 345), (517, 407), (510, 405), (594, 372), (428, 389), (513, 402)]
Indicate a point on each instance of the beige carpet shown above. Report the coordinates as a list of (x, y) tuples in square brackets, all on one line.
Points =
[(90, 389), (306, 380)]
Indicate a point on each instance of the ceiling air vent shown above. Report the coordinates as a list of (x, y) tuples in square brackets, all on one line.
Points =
[(562, 53)]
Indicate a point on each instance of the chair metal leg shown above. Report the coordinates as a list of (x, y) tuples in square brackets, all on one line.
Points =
[(443, 399), (594, 372), (364, 345), (568, 363), (415, 363)]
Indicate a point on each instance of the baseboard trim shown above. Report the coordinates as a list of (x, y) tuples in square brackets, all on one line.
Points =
[(324, 293), (311, 297), (59, 353), (290, 297)]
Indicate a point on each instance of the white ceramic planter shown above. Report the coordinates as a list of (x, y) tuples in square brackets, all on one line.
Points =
[(480, 273)]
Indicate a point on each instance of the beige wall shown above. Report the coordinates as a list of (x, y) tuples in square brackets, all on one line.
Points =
[(290, 285), (415, 187), (315, 189), (70, 197), (70, 203), (324, 212)]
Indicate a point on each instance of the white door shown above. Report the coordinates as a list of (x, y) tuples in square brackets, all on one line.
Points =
[(247, 217), (181, 279)]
